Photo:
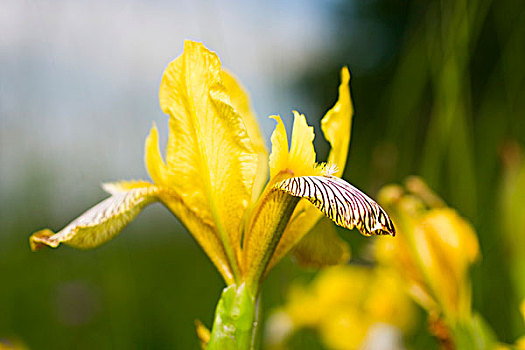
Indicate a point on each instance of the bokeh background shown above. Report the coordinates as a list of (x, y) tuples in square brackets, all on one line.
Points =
[(438, 88)]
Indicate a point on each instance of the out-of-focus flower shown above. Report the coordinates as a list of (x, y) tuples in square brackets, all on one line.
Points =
[(213, 176), (433, 251), (343, 304), (12, 344)]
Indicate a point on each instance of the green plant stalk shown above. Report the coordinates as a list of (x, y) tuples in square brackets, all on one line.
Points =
[(474, 333), (233, 327)]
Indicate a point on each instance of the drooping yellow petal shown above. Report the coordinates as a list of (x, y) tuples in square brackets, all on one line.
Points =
[(338, 200), (337, 125), (322, 247), (209, 153), (343, 203), (100, 223)]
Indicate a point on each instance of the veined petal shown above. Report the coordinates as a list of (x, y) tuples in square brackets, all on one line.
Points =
[(337, 125), (343, 203), (209, 153), (106, 219), (241, 102), (100, 223), (198, 224), (322, 246)]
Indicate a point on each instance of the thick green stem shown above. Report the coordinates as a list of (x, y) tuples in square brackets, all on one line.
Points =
[(233, 327)]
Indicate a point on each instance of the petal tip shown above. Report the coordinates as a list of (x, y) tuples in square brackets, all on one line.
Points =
[(275, 117), (345, 75), (42, 238)]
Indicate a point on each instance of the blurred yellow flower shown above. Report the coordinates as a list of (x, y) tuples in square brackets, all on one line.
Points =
[(12, 344), (433, 251), (213, 176), (343, 304)]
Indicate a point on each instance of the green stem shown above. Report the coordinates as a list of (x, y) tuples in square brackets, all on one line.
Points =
[(233, 327)]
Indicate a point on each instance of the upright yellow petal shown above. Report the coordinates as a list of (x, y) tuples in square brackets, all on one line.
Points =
[(157, 169), (198, 223), (302, 152), (299, 160), (280, 151), (209, 153), (241, 102), (337, 124)]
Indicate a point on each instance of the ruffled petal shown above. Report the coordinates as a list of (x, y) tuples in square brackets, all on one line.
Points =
[(210, 156)]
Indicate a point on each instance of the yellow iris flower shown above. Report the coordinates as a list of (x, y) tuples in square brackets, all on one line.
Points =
[(433, 251), (213, 176), (343, 303)]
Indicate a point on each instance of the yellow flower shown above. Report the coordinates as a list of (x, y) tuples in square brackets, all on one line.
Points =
[(433, 251), (343, 304), (213, 175)]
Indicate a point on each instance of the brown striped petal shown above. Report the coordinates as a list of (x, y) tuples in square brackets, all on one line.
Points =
[(343, 203)]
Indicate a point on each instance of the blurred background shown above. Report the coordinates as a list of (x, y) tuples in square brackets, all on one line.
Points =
[(438, 89)]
